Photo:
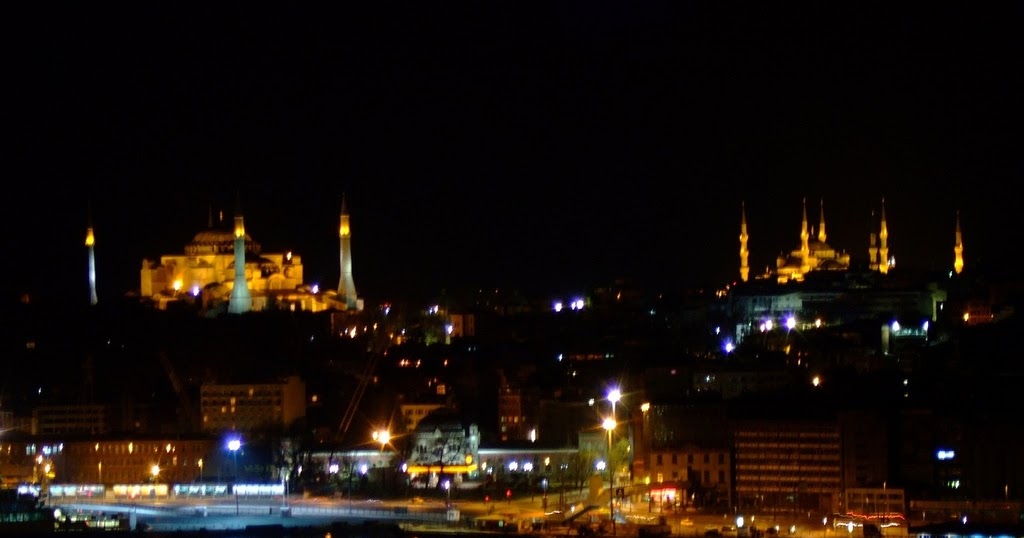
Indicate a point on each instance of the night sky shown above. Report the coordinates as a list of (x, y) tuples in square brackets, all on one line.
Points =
[(547, 147)]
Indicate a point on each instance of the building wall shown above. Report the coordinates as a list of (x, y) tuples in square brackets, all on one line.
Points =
[(246, 407), (787, 465), (71, 419)]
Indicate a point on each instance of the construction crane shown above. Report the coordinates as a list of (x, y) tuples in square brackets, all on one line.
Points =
[(357, 396)]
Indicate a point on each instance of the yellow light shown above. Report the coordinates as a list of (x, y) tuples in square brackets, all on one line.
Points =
[(469, 459), (90, 240), (155, 470), (608, 424), (645, 407)]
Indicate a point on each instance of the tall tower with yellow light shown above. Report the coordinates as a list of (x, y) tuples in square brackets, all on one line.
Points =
[(883, 246), (90, 243), (805, 245), (744, 253), (821, 223), (241, 299), (958, 248), (346, 284)]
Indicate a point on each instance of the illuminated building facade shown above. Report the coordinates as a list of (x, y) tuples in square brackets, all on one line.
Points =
[(245, 407), (226, 269), (811, 255), (443, 447), (787, 465), (208, 269)]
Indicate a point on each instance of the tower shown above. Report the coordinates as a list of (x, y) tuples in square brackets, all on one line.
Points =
[(821, 225), (346, 286), (872, 243), (958, 248), (805, 247), (883, 247), (90, 243), (241, 300), (744, 268)]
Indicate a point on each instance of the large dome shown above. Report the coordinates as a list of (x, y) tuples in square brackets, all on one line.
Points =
[(215, 241)]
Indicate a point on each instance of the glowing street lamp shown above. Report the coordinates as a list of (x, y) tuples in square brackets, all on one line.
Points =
[(155, 470), (609, 425), (233, 446), (383, 437), (614, 396)]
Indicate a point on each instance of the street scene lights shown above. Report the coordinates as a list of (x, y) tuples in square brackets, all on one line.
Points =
[(383, 437), (609, 425), (614, 396), (233, 446)]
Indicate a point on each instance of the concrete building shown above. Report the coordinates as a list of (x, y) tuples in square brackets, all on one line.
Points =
[(244, 407)]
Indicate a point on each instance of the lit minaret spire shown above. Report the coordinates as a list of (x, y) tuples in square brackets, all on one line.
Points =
[(240, 301), (958, 249), (346, 286), (90, 243), (821, 226), (883, 248), (744, 268), (872, 244), (805, 247)]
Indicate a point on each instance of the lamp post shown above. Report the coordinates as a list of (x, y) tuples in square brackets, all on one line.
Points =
[(200, 470), (233, 446), (609, 425)]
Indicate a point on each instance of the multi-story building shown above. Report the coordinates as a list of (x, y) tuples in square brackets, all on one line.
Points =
[(787, 464), (71, 419), (244, 407)]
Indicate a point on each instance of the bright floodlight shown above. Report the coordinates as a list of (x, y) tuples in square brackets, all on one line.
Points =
[(791, 323), (234, 444), (614, 395), (608, 424)]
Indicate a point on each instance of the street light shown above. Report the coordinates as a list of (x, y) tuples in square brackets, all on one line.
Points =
[(233, 446), (614, 396), (609, 424), (383, 437)]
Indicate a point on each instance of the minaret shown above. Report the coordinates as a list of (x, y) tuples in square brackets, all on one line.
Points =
[(872, 244), (346, 286), (805, 247), (883, 249), (821, 226), (90, 243), (240, 301), (958, 249), (744, 268)]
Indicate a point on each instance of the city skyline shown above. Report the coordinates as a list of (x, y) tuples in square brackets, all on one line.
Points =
[(546, 149)]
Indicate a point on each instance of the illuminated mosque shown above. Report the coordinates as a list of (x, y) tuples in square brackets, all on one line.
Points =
[(815, 254), (788, 292), (225, 269)]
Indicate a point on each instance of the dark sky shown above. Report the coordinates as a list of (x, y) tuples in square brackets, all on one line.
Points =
[(545, 146)]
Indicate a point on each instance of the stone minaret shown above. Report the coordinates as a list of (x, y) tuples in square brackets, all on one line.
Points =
[(744, 254), (346, 286), (241, 300), (821, 225), (90, 243), (958, 248), (883, 244), (805, 247), (872, 244)]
